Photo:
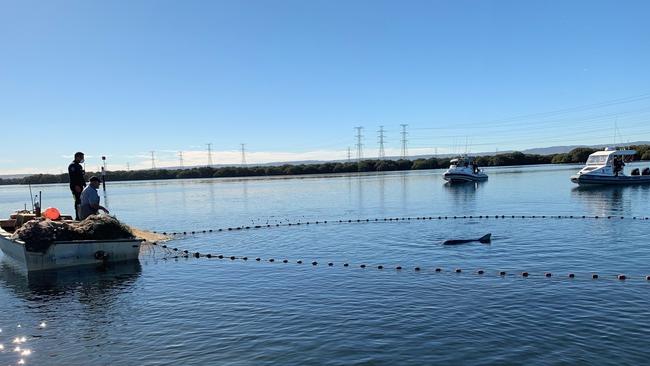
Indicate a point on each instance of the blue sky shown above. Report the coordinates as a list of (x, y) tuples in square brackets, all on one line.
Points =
[(292, 78)]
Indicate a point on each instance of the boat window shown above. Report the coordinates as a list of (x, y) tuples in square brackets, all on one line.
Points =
[(597, 160)]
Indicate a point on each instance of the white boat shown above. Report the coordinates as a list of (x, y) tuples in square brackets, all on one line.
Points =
[(607, 167), (464, 169), (61, 254)]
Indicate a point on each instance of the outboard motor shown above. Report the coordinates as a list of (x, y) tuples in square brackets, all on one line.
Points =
[(635, 171), (646, 171)]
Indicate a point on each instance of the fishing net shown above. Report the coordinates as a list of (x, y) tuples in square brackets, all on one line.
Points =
[(39, 234)]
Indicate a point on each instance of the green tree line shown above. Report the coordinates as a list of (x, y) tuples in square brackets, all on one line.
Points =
[(578, 155)]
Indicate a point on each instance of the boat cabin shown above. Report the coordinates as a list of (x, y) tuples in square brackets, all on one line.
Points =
[(606, 161)]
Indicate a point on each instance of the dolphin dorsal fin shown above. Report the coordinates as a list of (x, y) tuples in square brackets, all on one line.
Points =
[(486, 238)]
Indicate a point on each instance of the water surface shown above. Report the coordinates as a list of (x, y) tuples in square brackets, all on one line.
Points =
[(209, 311)]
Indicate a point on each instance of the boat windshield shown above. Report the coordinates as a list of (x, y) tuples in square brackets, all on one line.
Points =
[(597, 160)]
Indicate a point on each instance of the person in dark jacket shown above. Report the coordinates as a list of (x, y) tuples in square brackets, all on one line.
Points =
[(77, 181)]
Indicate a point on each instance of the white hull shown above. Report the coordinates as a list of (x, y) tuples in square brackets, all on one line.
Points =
[(69, 254), (459, 177)]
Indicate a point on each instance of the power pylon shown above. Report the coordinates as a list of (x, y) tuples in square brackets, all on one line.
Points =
[(243, 154), (349, 154), (359, 145), (153, 160), (382, 154), (209, 154), (404, 152), (180, 159)]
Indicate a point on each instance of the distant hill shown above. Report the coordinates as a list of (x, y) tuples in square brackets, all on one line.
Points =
[(565, 149)]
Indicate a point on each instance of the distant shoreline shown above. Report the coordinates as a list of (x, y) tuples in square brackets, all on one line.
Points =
[(578, 155)]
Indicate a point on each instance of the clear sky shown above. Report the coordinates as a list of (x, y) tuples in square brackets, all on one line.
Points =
[(292, 79)]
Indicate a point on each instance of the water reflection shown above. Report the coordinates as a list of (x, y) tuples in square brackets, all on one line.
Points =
[(95, 286), (604, 200), (463, 195)]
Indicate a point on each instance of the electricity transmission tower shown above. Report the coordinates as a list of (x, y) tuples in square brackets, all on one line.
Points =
[(404, 152), (243, 154), (180, 159), (359, 145), (349, 155), (382, 154), (153, 160), (209, 154)]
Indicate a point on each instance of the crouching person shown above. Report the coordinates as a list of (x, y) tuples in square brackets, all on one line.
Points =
[(90, 199)]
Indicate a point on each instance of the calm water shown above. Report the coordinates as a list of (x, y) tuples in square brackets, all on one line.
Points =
[(211, 311)]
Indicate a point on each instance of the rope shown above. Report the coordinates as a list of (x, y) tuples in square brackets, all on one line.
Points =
[(402, 219), (173, 254)]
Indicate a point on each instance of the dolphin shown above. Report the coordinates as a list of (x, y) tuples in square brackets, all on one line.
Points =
[(485, 239)]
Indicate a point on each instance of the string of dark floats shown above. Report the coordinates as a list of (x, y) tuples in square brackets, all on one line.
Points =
[(400, 219), (176, 253)]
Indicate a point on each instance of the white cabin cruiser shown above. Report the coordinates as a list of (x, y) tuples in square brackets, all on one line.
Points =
[(464, 169), (607, 167)]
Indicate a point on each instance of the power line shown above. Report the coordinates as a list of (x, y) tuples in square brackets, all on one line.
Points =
[(404, 152), (209, 154), (243, 154), (382, 154)]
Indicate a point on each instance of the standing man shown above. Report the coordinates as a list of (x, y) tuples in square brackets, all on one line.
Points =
[(77, 181), (90, 199)]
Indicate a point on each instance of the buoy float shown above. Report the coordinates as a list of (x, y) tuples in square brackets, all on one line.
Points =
[(571, 275), (621, 277), (594, 276), (524, 274), (480, 271), (438, 269), (548, 274)]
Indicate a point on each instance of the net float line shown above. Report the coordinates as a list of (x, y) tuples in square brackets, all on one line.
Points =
[(401, 219), (176, 253)]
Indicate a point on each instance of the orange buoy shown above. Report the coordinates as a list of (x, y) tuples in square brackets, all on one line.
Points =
[(52, 213)]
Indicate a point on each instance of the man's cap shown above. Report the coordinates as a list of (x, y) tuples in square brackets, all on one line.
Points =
[(78, 153), (95, 178)]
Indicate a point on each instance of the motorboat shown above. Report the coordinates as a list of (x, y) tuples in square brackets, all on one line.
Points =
[(608, 167), (464, 169), (61, 254)]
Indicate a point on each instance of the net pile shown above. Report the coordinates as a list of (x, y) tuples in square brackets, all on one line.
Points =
[(38, 235)]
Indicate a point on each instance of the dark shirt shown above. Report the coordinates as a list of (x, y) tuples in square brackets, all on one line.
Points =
[(76, 173)]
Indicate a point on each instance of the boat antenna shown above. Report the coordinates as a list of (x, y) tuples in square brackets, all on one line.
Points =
[(104, 180), (31, 195)]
